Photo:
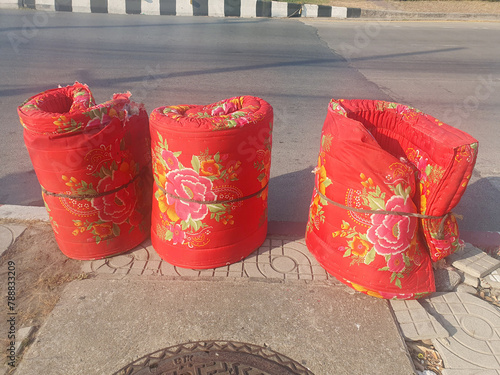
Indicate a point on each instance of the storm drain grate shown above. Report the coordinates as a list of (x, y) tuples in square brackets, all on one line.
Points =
[(215, 357)]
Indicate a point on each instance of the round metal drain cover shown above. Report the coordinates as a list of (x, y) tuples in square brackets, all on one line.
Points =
[(215, 358)]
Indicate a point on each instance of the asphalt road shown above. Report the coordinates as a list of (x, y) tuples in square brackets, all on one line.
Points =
[(296, 66)]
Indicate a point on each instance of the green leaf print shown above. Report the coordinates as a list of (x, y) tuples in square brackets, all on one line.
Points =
[(195, 163)]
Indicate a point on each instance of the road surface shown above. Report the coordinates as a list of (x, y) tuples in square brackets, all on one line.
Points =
[(447, 69)]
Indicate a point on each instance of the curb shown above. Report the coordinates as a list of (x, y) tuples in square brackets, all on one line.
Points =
[(23, 213), (232, 8), (212, 8)]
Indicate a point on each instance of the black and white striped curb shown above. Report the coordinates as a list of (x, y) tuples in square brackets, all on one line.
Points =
[(213, 8)]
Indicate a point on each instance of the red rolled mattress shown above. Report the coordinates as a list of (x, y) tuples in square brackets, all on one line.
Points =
[(93, 162), (211, 168), (408, 166)]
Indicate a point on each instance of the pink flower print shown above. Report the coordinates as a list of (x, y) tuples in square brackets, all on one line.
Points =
[(218, 111), (400, 108), (119, 206), (241, 121), (392, 234), (170, 159), (191, 188), (443, 246), (422, 166), (396, 263), (224, 109), (178, 234)]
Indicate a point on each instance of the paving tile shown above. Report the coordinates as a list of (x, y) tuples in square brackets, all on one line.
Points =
[(106, 269), (415, 322), (269, 271), (473, 344), (217, 272), (284, 264), (153, 255), (187, 272), (135, 271), (97, 264), (471, 280), (474, 261), (139, 264), (252, 270), (120, 261), (153, 265), (276, 243), (275, 259), (140, 253), (87, 266), (492, 280), (463, 288), (166, 269), (235, 274)]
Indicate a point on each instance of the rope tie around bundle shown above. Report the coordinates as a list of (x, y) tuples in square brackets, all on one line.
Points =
[(216, 201), (81, 197), (395, 213)]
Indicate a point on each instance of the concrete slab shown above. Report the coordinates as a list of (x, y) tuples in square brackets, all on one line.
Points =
[(102, 324), (474, 327), (415, 322), (8, 234), (474, 261)]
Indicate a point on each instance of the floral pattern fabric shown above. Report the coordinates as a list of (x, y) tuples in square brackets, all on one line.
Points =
[(226, 114), (443, 158), (381, 156), (93, 164), (211, 167)]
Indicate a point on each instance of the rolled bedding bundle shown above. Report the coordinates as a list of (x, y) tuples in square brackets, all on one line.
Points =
[(94, 166), (211, 169), (387, 179)]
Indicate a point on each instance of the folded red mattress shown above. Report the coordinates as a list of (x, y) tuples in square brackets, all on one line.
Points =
[(387, 179), (93, 164), (211, 168)]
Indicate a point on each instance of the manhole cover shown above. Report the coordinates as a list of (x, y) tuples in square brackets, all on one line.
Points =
[(215, 358)]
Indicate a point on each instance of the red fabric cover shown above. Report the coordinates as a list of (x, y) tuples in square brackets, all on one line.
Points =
[(370, 153), (443, 156), (217, 152), (97, 151)]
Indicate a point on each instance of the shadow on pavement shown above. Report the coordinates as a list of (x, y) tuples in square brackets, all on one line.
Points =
[(290, 196), (480, 206), (21, 189)]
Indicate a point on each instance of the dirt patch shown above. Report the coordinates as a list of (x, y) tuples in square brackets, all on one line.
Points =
[(41, 272), (442, 6)]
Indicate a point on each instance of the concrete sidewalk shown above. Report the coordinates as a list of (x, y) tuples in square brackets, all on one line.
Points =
[(278, 310), (103, 324)]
